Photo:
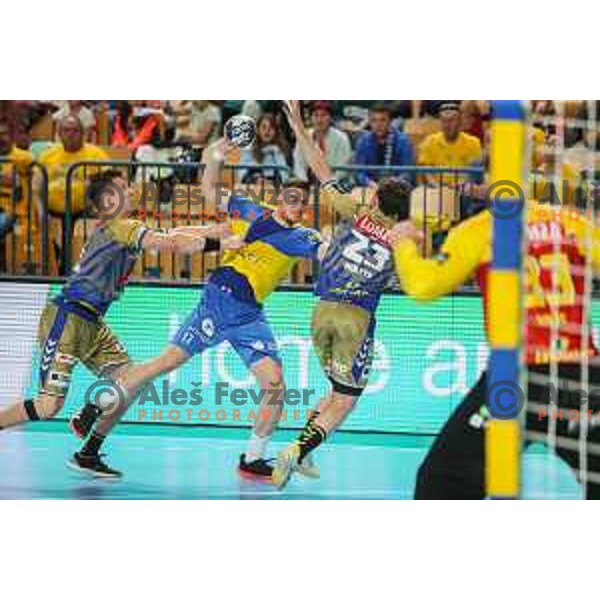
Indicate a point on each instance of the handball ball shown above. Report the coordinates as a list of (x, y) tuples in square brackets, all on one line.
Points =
[(241, 131)]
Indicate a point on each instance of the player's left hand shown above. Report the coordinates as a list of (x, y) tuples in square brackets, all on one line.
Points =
[(233, 242), (293, 112), (221, 230), (217, 151), (405, 230)]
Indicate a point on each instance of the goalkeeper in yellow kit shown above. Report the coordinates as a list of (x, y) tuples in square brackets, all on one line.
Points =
[(561, 246)]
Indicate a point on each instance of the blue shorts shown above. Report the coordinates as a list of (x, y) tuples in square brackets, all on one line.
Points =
[(220, 317)]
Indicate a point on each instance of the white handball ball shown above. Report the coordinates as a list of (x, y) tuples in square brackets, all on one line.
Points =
[(240, 130)]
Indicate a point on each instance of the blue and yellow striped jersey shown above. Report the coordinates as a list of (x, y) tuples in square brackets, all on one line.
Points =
[(272, 249), (358, 265)]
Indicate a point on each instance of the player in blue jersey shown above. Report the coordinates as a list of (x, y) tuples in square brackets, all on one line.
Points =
[(72, 327), (355, 271), (231, 306)]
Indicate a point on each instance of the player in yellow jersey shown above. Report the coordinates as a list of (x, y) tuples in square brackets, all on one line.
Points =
[(231, 306), (561, 245), (72, 327)]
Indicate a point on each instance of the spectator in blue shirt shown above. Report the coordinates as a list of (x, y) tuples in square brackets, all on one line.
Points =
[(383, 145)]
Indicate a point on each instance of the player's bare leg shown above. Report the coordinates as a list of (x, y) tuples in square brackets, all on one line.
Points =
[(269, 377), (13, 415), (45, 406), (129, 382), (334, 409)]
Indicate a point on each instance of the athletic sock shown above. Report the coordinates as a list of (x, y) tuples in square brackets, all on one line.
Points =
[(92, 446), (311, 437), (310, 420), (257, 446)]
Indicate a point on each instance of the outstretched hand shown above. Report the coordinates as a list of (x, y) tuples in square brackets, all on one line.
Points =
[(233, 242), (221, 230), (217, 151), (293, 113), (404, 230)]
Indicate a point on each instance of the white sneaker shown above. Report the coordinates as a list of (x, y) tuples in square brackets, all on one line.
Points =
[(307, 468)]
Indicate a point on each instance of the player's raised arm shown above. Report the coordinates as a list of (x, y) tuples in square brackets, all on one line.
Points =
[(213, 158), (187, 240), (460, 256), (313, 157), (333, 191)]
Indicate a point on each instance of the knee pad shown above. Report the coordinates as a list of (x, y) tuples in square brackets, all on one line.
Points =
[(45, 407)]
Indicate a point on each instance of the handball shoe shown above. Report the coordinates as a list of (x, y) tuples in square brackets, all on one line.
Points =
[(287, 462), (260, 469), (307, 468), (92, 464)]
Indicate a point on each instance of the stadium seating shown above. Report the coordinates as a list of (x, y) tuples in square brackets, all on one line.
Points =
[(22, 247)]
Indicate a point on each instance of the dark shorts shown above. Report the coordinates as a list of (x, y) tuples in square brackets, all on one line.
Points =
[(454, 467)]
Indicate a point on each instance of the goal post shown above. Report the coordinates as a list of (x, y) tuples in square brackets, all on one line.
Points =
[(509, 163)]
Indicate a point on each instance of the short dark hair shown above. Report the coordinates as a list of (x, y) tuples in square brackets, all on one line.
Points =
[(381, 107), (300, 184), (449, 106), (295, 184), (393, 196), (98, 183), (322, 105)]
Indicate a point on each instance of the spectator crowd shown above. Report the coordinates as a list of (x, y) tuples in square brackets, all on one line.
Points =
[(362, 140)]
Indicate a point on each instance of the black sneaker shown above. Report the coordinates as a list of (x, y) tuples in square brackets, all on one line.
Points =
[(259, 470), (82, 422), (92, 464)]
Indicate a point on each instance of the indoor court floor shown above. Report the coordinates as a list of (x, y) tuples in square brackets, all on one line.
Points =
[(175, 462)]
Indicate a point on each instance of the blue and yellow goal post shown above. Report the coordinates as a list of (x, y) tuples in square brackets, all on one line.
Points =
[(509, 164)]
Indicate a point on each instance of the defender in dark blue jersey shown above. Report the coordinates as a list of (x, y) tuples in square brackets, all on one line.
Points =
[(72, 327), (355, 271)]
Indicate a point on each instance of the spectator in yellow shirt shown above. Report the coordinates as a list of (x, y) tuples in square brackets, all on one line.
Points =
[(450, 147), (58, 158), (13, 179), (554, 180)]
